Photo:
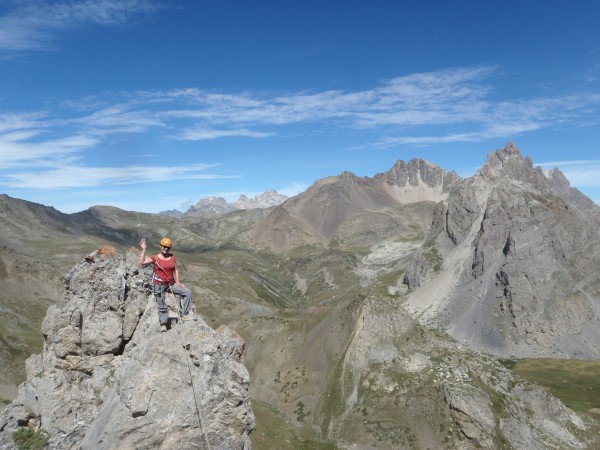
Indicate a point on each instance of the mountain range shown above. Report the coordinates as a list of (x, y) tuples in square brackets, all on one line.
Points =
[(378, 312), (216, 206)]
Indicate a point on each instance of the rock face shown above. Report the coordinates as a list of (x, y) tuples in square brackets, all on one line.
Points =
[(107, 378), (510, 263), (397, 381), (264, 200), (217, 206), (417, 181), (362, 211)]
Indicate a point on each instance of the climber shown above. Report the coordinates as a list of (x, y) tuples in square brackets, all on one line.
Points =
[(164, 278)]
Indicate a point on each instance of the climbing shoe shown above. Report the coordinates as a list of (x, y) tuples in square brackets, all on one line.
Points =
[(163, 328), (188, 316)]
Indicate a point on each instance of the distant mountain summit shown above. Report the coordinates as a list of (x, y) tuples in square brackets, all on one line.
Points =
[(351, 210), (216, 206), (510, 263), (416, 181)]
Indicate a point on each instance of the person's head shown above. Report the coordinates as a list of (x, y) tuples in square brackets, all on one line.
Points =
[(165, 244)]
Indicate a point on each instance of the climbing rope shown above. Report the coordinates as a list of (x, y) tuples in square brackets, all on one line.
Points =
[(206, 442), (204, 436)]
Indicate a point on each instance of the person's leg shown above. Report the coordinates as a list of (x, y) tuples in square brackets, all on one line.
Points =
[(186, 298), (163, 310)]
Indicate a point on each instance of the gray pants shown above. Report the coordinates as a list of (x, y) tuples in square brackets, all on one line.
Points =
[(163, 310)]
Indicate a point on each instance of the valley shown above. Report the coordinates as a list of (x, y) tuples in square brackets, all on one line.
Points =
[(379, 312)]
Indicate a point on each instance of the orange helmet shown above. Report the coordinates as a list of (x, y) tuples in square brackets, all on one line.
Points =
[(166, 242)]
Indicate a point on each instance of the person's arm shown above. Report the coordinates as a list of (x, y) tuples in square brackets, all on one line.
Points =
[(143, 260)]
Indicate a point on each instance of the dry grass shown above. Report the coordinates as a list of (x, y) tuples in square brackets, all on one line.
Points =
[(107, 250), (575, 382)]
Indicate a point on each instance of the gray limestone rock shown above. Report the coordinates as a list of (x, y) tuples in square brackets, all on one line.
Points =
[(108, 379), (512, 267), (407, 379)]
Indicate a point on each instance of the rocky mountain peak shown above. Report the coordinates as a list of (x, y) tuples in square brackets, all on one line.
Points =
[(509, 163), (215, 206), (417, 172), (107, 378), (264, 200), (503, 255)]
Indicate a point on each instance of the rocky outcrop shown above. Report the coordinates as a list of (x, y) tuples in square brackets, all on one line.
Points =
[(398, 381), (217, 206), (210, 207), (107, 378), (417, 180), (264, 200), (510, 263)]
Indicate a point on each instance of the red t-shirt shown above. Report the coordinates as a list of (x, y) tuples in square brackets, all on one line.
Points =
[(164, 269)]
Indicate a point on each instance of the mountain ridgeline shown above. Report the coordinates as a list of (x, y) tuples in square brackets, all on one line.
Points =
[(520, 252), (376, 311), (215, 206)]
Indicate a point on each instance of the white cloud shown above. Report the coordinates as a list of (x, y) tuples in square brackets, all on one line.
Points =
[(428, 140), (403, 109), (576, 162), (205, 134), (493, 131), (448, 96), (17, 150), (456, 104), (35, 25), (119, 118), (20, 121), (583, 177), (74, 176), (460, 98)]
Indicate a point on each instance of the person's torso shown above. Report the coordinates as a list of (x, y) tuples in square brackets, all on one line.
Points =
[(164, 268)]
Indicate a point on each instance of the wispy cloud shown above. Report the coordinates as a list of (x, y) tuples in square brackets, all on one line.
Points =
[(457, 104), (19, 148), (204, 134), (457, 98), (20, 121), (444, 97), (32, 160), (34, 25), (403, 110), (119, 118), (75, 176), (496, 130), (575, 162)]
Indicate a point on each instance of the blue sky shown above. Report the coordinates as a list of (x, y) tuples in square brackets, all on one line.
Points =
[(151, 105)]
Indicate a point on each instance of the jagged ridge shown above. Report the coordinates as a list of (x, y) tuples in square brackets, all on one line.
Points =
[(108, 379), (512, 247)]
